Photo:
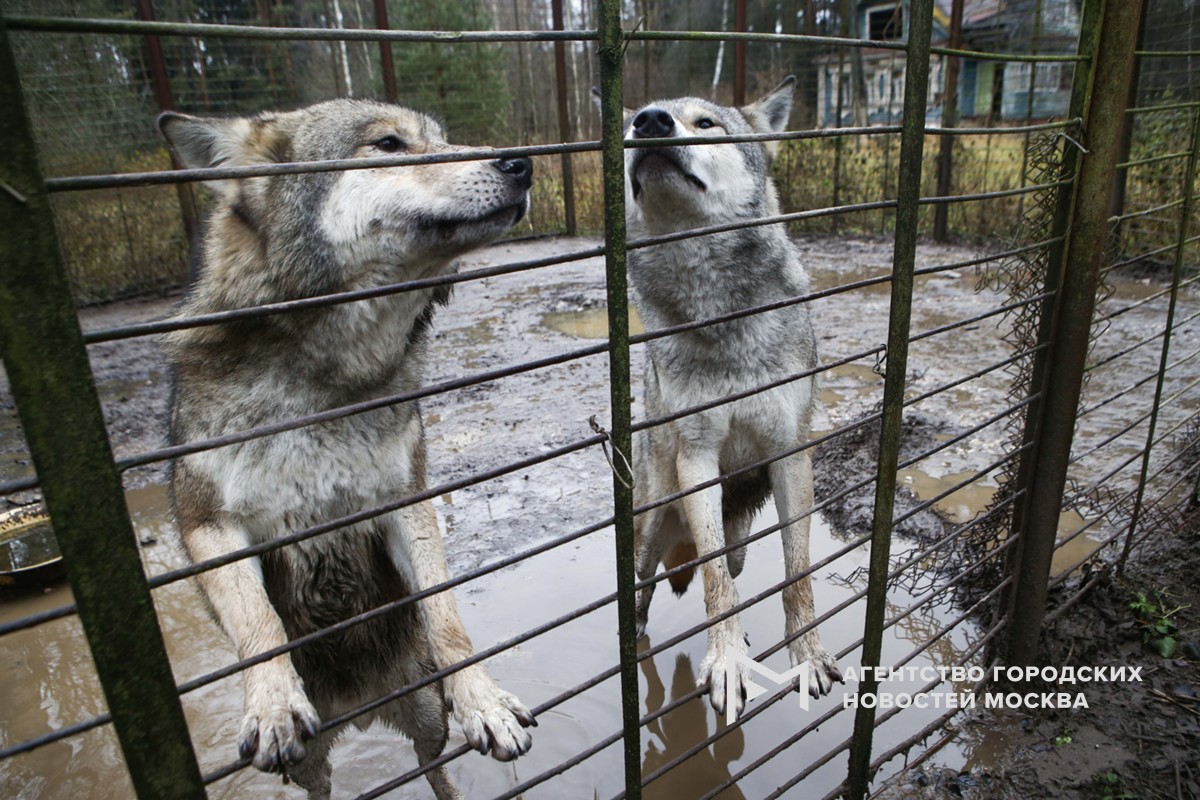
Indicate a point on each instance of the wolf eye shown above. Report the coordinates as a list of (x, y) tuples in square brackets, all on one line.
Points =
[(389, 144), (705, 122)]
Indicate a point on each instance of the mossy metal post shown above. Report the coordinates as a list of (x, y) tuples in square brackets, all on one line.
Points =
[(912, 145), (1089, 227), (51, 379), (612, 138)]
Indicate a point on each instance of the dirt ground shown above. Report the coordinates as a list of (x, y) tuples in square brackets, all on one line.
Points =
[(1147, 735)]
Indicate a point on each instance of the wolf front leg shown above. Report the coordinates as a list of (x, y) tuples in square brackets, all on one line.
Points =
[(724, 676), (492, 719), (792, 485), (278, 715)]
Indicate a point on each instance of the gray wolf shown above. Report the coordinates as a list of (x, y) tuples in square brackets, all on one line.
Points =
[(281, 238), (675, 188)]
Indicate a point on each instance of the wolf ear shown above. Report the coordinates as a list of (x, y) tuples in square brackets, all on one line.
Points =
[(202, 142), (769, 113), (626, 113)]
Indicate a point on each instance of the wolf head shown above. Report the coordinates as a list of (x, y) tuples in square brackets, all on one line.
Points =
[(333, 225), (675, 187)]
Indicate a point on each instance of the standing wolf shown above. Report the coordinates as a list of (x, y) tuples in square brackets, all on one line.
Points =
[(670, 189), (293, 236)]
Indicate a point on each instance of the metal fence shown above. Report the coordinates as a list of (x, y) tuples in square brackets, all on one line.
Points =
[(974, 594)]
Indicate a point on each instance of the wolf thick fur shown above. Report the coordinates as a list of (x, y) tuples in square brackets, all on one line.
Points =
[(281, 238), (670, 189)]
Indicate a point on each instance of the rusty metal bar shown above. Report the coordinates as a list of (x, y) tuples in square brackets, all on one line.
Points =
[(912, 143), (564, 119), (166, 102), (51, 381), (1071, 330), (385, 53), (945, 162), (739, 54)]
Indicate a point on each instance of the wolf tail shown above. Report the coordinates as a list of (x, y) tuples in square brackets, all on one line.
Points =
[(680, 554)]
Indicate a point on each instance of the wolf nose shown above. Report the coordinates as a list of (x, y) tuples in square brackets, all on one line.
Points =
[(653, 123), (519, 168)]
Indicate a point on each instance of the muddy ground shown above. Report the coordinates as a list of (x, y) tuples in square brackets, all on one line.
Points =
[(1143, 733)]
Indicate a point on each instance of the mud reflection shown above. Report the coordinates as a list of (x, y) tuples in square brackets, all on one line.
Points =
[(676, 732)]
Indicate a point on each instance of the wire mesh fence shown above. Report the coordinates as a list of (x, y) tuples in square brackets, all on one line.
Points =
[(936, 444)]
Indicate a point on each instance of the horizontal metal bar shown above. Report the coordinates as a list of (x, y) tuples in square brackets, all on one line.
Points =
[(1165, 107), (262, 431), (1126, 351), (720, 551), (26, 22), (349, 622), (40, 618), (1147, 212), (1096, 484), (1131, 387), (845, 744), (1150, 531), (976, 55), (319, 301), (1142, 162), (1167, 53), (836, 290), (160, 178), (1145, 300), (164, 177), (368, 514), (437, 675), (650, 652), (762, 706), (1148, 254), (56, 735)]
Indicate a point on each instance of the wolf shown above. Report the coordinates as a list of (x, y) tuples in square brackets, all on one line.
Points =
[(675, 188), (286, 237)]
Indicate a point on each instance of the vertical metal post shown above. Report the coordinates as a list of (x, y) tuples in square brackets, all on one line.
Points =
[(1117, 207), (1089, 34), (612, 143), (912, 144), (564, 119), (941, 212), (385, 53), (1088, 230), (166, 102), (739, 54), (1185, 216), (51, 380)]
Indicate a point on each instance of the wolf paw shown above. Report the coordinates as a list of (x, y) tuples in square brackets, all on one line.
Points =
[(279, 718), (492, 719), (722, 676), (824, 667)]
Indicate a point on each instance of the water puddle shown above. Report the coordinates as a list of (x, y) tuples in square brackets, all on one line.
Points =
[(50, 680), (591, 323)]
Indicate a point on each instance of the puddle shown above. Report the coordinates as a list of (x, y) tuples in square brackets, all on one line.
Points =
[(50, 680), (591, 323)]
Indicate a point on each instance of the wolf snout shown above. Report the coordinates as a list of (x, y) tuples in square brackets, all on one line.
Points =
[(653, 123), (519, 169)]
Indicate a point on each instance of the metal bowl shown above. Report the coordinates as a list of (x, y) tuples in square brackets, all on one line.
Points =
[(29, 553)]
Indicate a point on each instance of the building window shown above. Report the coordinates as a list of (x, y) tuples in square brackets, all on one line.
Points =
[(885, 23)]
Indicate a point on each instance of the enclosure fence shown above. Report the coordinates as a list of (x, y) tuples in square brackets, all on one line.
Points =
[(1059, 481)]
